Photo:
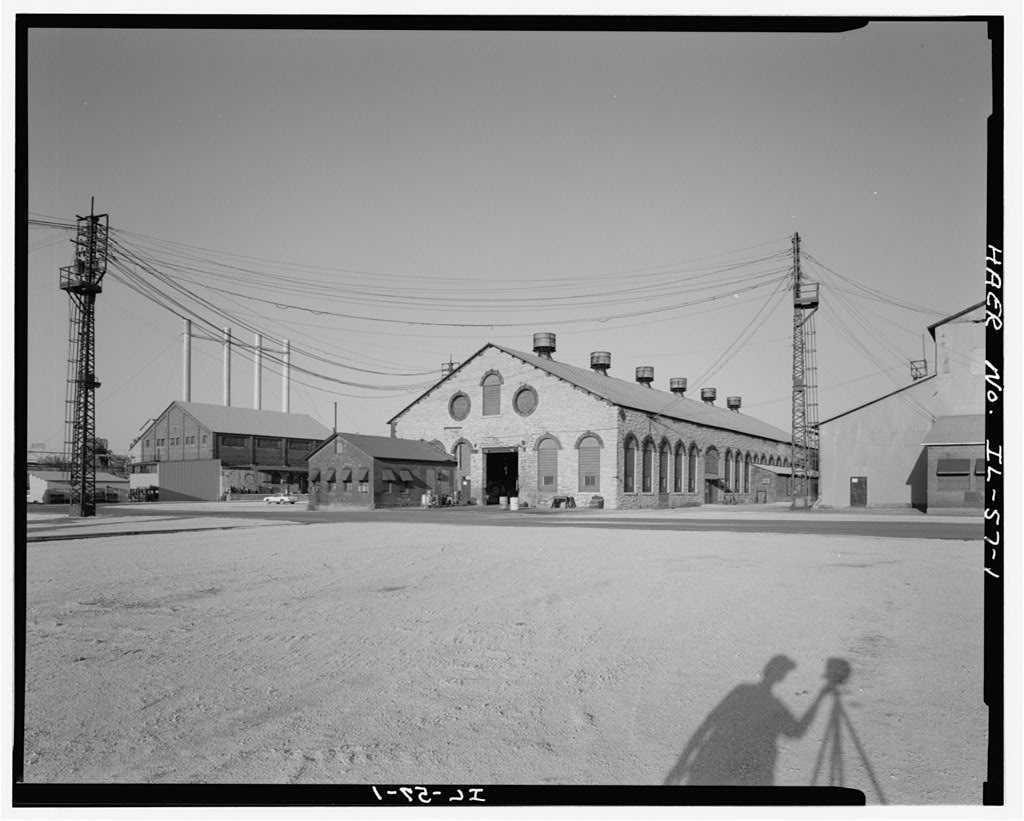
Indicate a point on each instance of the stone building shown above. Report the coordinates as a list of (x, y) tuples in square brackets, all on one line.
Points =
[(527, 425), (379, 471)]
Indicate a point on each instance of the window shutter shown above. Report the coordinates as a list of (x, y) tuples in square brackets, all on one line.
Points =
[(492, 395), (547, 466), (590, 465)]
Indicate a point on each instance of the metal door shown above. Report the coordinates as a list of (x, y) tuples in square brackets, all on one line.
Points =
[(858, 491)]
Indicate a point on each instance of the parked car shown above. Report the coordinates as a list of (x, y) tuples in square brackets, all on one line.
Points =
[(279, 499)]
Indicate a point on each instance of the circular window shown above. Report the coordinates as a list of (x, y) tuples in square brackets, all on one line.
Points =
[(458, 406), (525, 401)]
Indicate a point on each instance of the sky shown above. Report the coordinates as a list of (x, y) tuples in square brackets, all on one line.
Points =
[(388, 200)]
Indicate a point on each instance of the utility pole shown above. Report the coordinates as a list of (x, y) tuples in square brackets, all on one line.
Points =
[(804, 448), (82, 282)]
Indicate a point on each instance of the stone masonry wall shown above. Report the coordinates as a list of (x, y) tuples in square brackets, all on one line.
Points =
[(563, 411)]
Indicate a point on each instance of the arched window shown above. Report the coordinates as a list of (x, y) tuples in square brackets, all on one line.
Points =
[(737, 474), (711, 463), (691, 470), (648, 466), (677, 469), (746, 474), (547, 465), (663, 467), (629, 465), (589, 449), (728, 469), (492, 393)]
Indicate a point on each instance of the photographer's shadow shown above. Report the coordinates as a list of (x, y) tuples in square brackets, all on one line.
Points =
[(737, 744)]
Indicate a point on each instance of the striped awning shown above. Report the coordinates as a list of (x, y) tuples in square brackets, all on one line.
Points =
[(388, 475)]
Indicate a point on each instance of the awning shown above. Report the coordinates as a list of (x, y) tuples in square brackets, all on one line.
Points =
[(406, 476), (953, 467), (346, 474), (363, 475), (315, 475), (389, 475), (329, 476)]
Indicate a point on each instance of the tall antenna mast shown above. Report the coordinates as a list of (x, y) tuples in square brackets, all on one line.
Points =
[(804, 447), (82, 282)]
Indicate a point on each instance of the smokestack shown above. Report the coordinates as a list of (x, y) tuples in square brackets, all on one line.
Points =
[(677, 384), (708, 395), (733, 403), (186, 362), (285, 377), (645, 375), (227, 367), (257, 393), (601, 361), (544, 345)]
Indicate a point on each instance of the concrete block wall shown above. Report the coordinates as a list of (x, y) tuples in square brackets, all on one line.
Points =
[(563, 411)]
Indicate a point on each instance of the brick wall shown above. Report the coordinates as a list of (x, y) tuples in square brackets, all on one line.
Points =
[(956, 491), (183, 438)]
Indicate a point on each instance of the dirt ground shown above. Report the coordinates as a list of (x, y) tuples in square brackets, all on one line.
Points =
[(364, 653)]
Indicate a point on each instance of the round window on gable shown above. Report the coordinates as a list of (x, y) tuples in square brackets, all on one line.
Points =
[(458, 406), (525, 401)]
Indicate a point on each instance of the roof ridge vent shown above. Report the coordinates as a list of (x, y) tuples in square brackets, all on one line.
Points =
[(544, 344), (677, 384), (708, 395), (601, 361), (733, 403), (645, 375)]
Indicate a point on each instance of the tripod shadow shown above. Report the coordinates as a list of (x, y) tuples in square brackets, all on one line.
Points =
[(737, 744), (838, 671)]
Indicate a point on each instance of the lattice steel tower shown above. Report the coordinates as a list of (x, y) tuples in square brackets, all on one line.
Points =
[(804, 456), (82, 281)]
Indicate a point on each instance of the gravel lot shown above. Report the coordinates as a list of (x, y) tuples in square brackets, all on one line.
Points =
[(363, 653)]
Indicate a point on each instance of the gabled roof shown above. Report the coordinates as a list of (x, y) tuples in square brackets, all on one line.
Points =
[(390, 447), (965, 429), (951, 317), (252, 422), (635, 396)]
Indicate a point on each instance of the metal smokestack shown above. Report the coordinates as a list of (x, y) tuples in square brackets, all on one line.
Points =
[(186, 362), (285, 378), (227, 367), (257, 382)]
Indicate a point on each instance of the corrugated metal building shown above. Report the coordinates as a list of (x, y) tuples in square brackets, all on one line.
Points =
[(239, 450), (379, 471), (528, 426), (919, 445)]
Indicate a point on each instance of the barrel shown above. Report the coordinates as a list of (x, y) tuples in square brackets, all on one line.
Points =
[(503, 502), (513, 503)]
